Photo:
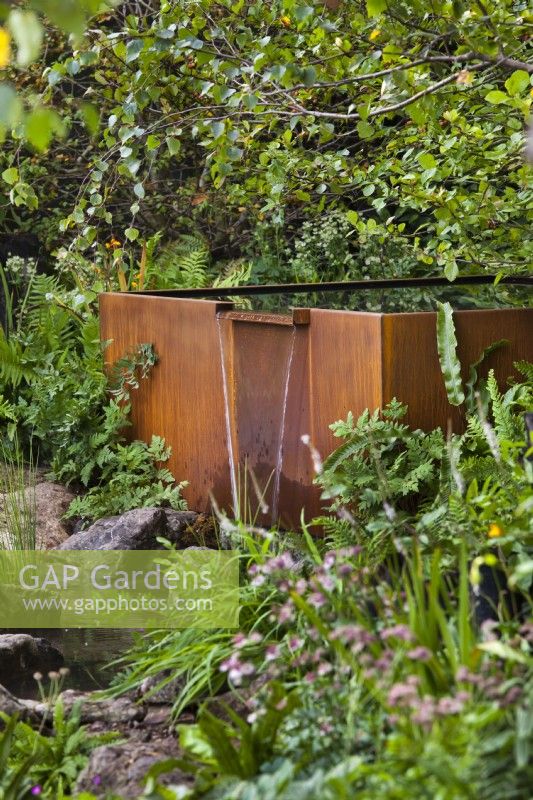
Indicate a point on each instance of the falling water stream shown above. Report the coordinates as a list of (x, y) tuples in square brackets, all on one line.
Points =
[(279, 458), (227, 412), (252, 452)]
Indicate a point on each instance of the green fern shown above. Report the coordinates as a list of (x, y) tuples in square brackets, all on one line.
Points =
[(183, 264), (525, 368), (14, 366)]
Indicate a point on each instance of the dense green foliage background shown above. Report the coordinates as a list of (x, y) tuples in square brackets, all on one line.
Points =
[(398, 124)]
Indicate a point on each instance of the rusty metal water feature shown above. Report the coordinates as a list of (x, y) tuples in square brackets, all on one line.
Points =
[(235, 390)]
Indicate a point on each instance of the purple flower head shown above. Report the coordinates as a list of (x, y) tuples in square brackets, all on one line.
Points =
[(237, 669), (401, 632), (463, 675), (449, 705), (317, 599), (272, 652), (295, 643), (419, 654), (344, 569), (425, 711), (285, 613), (36, 790), (97, 780), (402, 695)]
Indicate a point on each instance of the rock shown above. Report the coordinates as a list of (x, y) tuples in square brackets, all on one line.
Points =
[(22, 654), (51, 504), (44, 505), (10, 705), (178, 523), (134, 530), (165, 694), (119, 769), (111, 712)]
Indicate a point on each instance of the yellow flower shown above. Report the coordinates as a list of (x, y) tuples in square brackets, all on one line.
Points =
[(5, 48), (494, 531), (286, 21), (374, 35)]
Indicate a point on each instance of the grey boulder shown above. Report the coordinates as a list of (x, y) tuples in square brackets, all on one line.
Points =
[(134, 530), (119, 769), (21, 655)]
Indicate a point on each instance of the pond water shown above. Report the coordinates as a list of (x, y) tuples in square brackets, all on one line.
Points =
[(87, 654)]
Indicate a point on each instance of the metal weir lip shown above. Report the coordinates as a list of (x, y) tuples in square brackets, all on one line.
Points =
[(337, 286)]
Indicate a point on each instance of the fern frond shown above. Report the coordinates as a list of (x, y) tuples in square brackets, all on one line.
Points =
[(13, 368), (525, 368)]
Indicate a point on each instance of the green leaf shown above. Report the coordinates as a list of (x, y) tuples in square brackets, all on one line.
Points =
[(10, 106), (139, 190), (40, 127), (352, 217), (375, 7), (91, 117), (217, 129), (27, 32), (132, 234), (10, 175), (417, 113), (174, 145), (504, 651), (309, 76), (451, 270), (518, 82), (426, 161), (364, 129), (133, 49), (496, 97), (447, 347)]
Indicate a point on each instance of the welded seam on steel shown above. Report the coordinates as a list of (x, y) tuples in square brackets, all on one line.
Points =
[(336, 286)]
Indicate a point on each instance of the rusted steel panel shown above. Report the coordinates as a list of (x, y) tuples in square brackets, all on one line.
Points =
[(234, 391), (183, 398), (411, 369)]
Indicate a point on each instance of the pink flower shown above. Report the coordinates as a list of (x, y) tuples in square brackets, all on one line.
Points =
[(419, 654), (272, 652), (401, 632), (285, 613), (402, 694), (449, 705), (317, 599), (237, 669)]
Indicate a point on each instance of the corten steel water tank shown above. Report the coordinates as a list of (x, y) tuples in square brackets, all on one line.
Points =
[(234, 391)]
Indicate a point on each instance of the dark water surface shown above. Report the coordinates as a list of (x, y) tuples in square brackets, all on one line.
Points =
[(87, 654)]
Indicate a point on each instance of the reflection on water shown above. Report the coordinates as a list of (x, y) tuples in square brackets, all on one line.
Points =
[(87, 654)]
